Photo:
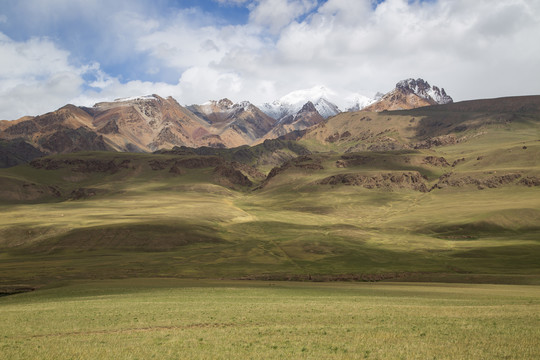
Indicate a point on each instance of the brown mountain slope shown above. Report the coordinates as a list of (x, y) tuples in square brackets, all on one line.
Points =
[(423, 127), (410, 94), (236, 124), (398, 99), (69, 116), (67, 129), (141, 124), (148, 124), (511, 104), (7, 123), (303, 119), (15, 152)]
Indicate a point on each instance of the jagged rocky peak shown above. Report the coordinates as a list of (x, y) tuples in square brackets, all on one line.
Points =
[(418, 86), (131, 101), (440, 96), (422, 88), (308, 107), (246, 105), (410, 94), (224, 104)]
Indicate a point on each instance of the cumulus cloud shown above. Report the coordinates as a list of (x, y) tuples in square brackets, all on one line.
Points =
[(183, 44), (479, 49), (276, 14), (35, 77), (92, 31), (451, 43), (473, 49)]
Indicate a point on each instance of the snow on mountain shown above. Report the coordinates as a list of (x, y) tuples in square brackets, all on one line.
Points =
[(326, 108), (425, 91), (293, 102), (142, 97), (225, 107), (305, 95), (238, 123), (356, 102), (410, 94)]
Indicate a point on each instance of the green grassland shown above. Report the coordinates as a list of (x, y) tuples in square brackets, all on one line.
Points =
[(172, 319)]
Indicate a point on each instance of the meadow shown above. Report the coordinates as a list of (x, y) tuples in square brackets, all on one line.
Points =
[(190, 319), (148, 223), (206, 231), (144, 262)]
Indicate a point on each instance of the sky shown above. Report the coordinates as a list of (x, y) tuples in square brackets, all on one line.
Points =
[(55, 52)]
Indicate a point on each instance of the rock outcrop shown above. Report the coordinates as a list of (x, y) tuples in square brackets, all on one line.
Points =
[(410, 94), (387, 181)]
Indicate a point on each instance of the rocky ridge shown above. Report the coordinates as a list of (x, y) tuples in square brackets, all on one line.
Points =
[(410, 94), (149, 123)]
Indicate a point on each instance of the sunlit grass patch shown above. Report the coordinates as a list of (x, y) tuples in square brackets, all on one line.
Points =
[(167, 318)]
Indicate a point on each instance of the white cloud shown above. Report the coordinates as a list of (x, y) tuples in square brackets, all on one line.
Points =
[(479, 49), (473, 49), (35, 77), (346, 11), (216, 84), (183, 44), (455, 44), (34, 58), (103, 29), (276, 14)]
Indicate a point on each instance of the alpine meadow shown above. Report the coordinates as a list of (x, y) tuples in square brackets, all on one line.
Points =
[(324, 224)]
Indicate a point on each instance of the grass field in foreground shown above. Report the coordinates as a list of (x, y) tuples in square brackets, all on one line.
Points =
[(173, 319)]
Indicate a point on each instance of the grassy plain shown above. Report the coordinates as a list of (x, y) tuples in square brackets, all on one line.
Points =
[(188, 319)]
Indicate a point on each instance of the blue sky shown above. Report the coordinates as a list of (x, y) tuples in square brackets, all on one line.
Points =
[(54, 52)]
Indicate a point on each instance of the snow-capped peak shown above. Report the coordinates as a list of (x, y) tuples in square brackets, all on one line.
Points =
[(326, 108), (246, 105), (293, 102), (302, 96), (223, 105), (142, 97), (356, 102), (424, 90)]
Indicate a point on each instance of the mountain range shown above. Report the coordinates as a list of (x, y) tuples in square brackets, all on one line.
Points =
[(150, 123)]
